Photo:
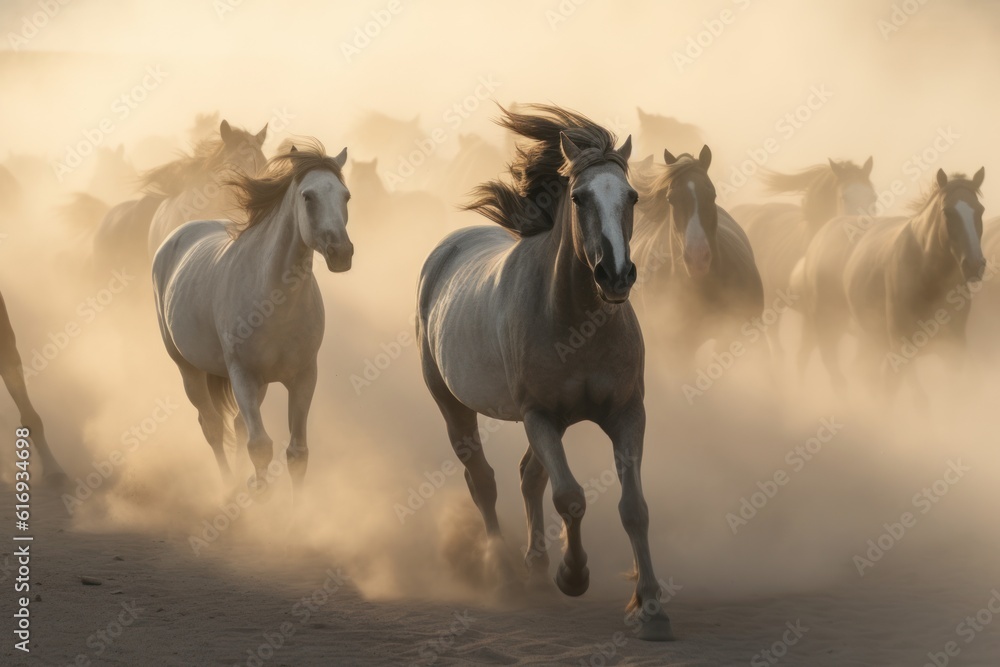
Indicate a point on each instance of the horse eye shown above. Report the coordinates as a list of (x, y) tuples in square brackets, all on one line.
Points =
[(307, 196), (575, 199), (633, 195)]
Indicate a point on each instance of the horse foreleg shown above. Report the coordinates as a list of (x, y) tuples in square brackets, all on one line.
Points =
[(300, 395), (545, 437), (249, 393), (13, 378), (534, 479), (626, 431)]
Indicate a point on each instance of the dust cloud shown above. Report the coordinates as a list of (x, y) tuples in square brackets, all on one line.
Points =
[(385, 494)]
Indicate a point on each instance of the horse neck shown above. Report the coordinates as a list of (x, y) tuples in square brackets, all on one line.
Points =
[(572, 292), (935, 258), (276, 246)]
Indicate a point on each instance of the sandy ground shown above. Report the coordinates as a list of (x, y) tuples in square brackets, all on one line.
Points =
[(160, 604)]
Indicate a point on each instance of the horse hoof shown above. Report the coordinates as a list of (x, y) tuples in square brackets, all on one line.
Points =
[(656, 629), (573, 584), (259, 488)]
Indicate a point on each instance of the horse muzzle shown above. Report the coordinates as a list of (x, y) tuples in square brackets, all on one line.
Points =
[(614, 286), (973, 269), (339, 256)]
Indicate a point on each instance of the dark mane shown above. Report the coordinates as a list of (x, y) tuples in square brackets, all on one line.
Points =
[(172, 178), (539, 174), (258, 197)]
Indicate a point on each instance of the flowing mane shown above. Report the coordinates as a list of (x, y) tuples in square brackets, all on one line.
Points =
[(172, 178), (930, 194), (258, 197), (653, 182), (819, 185), (539, 174)]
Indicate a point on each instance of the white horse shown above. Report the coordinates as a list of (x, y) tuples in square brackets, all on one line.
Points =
[(240, 308)]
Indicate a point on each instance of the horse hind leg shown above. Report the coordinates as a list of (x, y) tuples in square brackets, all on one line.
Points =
[(196, 386), (13, 378)]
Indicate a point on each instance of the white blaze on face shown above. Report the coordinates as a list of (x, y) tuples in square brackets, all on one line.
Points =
[(610, 198), (968, 217), (694, 234)]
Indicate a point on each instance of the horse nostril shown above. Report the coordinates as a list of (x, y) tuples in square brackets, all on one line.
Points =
[(601, 274), (631, 275)]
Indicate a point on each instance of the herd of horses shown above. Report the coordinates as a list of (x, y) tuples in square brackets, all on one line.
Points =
[(578, 225)]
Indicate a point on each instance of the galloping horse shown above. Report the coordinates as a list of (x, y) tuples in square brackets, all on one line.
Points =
[(13, 377), (192, 186), (698, 264), (210, 280), (894, 277), (495, 308), (781, 232)]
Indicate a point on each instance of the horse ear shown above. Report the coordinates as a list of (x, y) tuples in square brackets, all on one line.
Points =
[(374, 162), (262, 135), (626, 150), (225, 131), (293, 149), (647, 161), (867, 167), (705, 157), (834, 167), (668, 157), (942, 178), (977, 180), (569, 150), (341, 158), (642, 114)]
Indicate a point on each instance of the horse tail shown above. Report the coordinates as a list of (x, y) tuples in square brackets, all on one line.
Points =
[(221, 391)]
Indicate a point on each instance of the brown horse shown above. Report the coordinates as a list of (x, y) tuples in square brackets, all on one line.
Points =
[(495, 306), (895, 279), (781, 232), (13, 377), (698, 263)]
